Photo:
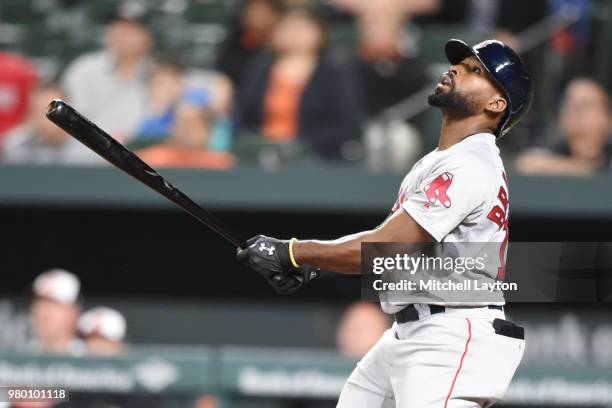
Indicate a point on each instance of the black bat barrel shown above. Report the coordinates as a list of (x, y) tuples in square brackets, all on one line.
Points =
[(86, 132), (81, 128)]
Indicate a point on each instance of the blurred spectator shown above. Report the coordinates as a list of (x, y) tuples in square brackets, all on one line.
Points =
[(40, 141), (103, 330), (585, 124), (188, 144), (571, 39), (251, 31), (165, 89), (168, 85), (18, 78), (392, 145), (579, 46), (207, 401), (55, 311), (486, 16), (300, 91), (109, 87), (221, 104), (391, 71), (389, 77), (389, 65), (402, 8), (360, 328)]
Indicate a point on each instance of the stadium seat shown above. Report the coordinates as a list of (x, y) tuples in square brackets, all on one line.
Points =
[(19, 11), (209, 11)]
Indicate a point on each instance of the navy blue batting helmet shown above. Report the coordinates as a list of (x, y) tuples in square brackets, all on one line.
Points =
[(508, 71)]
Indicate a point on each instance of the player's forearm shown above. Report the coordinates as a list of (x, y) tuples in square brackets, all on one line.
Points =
[(342, 255)]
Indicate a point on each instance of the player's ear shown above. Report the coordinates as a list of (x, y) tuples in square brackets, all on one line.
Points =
[(496, 104)]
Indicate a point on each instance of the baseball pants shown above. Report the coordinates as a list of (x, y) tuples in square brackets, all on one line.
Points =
[(452, 359)]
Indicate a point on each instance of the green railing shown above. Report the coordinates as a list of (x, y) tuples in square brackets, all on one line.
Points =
[(312, 189), (239, 373)]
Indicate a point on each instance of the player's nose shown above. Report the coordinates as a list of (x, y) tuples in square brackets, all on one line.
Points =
[(453, 70)]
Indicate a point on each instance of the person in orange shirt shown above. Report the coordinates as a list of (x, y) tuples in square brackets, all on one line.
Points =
[(299, 91)]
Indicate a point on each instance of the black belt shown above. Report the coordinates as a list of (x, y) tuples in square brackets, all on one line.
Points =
[(411, 314)]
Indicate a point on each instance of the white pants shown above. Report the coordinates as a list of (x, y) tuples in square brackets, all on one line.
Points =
[(447, 360)]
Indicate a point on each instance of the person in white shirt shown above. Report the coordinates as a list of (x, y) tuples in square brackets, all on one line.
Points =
[(438, 353), (55, 311), (109, 87)]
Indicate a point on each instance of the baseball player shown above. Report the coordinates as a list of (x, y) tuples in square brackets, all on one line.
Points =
[(436, 354)]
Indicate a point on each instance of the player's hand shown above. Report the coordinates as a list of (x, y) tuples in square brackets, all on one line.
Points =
[(269, 257)]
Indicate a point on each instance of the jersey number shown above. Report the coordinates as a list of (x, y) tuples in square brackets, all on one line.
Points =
[(499, 215)]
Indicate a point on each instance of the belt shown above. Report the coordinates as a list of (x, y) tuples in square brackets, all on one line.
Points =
[(411, 314)]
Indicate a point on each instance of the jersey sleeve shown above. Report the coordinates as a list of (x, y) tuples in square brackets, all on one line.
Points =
[(445, 197)]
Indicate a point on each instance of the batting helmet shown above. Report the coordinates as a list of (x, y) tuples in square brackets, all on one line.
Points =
[(508, 71)]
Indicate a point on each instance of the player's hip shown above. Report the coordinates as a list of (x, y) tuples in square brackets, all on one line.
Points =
[(419, 312), (473, 353), (441, 333), (442, 358)]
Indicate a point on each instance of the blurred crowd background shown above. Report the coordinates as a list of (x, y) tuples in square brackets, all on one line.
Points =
[(274, 83), (307, 113)]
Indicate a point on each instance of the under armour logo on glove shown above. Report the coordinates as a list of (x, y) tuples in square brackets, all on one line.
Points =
[(436, 190), (262, 247)]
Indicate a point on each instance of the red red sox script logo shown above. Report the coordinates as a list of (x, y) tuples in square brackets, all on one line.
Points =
[(437, 189), (499, 215)]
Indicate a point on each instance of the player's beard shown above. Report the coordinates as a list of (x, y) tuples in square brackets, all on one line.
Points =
[(455, 103)]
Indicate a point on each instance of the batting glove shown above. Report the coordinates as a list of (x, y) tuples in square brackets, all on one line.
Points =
[(269, 257)]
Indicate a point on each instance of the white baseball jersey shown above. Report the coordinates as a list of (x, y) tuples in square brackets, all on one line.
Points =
[(452, 359), (460, 194)]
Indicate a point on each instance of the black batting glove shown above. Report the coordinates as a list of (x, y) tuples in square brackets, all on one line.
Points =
[(269, 257), (266, 255)]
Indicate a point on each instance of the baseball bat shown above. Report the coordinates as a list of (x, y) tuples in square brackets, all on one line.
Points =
[(86, 132)]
